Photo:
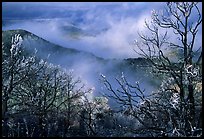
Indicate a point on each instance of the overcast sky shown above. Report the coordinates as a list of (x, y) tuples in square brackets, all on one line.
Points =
[(116, 23)]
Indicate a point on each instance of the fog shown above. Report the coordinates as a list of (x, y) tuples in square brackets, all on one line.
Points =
[(89, 67), (106, 30), (109, 28)]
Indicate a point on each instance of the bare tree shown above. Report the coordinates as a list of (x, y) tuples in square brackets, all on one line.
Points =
[(134, 102), (25, 78), (173, 108), (35, 91), (13, 65), (92, 112), (70, 97), (178, 18)]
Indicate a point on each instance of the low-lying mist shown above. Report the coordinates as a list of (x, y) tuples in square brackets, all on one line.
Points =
[(106, 30), (106, 43), (89, 68)]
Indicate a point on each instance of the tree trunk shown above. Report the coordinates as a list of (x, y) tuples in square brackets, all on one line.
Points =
[(191, 104), (5, 127), (42, 132)]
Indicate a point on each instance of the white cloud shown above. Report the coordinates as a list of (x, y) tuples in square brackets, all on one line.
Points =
[(118, 24)]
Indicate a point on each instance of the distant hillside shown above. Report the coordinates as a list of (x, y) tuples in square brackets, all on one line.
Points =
[(44, 47), (85, 65)]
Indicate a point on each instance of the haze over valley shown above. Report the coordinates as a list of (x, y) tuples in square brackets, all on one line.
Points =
[(101, 69), (99, 40)]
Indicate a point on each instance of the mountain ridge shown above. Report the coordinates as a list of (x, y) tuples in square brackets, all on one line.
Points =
[(25, 33), (7, 34), (85, 65)]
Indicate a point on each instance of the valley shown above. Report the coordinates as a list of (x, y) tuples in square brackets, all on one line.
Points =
[(101, 69), (86, 65)]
